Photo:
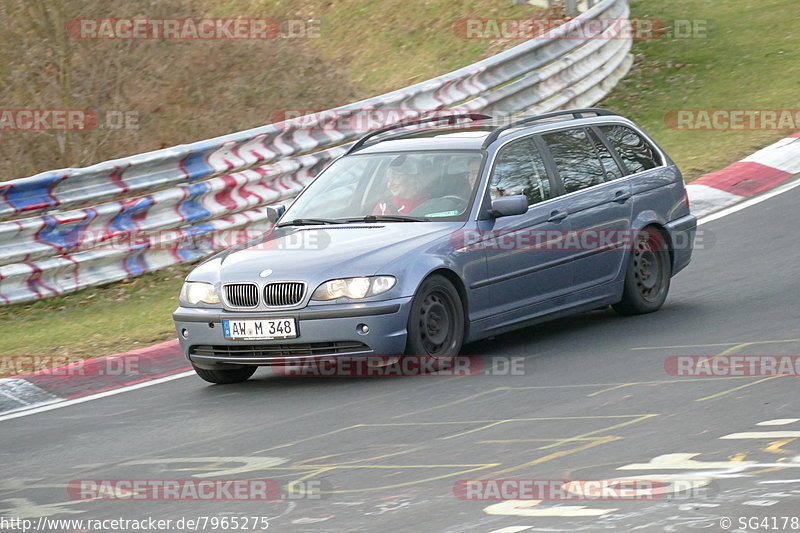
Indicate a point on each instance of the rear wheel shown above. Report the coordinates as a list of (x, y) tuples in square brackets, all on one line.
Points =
[(436, 321), (648, 275), (224, 376)]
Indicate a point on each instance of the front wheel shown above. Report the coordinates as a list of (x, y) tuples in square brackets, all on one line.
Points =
[(436, 321), (647, 277), (224, 376)]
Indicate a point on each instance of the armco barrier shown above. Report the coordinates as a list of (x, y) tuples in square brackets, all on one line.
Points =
[(53, 225)]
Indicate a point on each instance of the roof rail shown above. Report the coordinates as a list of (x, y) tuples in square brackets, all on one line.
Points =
[(450, 118), (576, 113)]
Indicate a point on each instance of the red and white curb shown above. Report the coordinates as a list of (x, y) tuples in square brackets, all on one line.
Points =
[(759, 172), (102, 375), (113, 374)]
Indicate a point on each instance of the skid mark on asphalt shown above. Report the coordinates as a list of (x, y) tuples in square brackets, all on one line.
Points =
[(638, 418), (713, 345), (550, 457), (482, 394), (517, 441), (734, 389)]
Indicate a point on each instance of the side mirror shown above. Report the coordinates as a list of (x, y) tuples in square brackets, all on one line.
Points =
[(274, 213), (504, 206)]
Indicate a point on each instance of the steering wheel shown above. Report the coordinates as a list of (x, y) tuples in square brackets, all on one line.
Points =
[(459, 201)]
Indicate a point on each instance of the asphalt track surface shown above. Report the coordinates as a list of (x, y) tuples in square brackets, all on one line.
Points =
[(594, 402)]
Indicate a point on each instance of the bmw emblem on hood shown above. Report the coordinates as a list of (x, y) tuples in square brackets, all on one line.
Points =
[(266, 272)]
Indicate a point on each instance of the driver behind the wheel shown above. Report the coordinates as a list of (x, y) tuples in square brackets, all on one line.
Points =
[(404, 184), (463, 184)]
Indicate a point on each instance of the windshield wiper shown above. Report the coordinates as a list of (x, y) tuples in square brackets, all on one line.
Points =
[(388, 218), (311, 222)]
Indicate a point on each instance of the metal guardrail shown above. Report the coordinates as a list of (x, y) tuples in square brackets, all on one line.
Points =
[(571, 7), (68, 229)]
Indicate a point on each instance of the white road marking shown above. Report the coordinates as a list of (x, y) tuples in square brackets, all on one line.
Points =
[(763, 435), (25, 509), (752, 201), (525, 508), (248, 464), (778, 422), (682, 461), (67, 403)]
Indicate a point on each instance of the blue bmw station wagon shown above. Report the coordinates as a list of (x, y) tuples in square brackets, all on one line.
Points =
[(443, 231)]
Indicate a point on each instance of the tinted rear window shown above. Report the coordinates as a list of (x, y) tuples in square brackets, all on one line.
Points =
[(612, 168), (636, 153), (575, 159)]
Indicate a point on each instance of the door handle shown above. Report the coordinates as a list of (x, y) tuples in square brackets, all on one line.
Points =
[(557, 216), (621, 196)]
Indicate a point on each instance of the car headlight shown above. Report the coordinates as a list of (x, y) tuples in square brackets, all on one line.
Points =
[(353, 288), (195, 292)]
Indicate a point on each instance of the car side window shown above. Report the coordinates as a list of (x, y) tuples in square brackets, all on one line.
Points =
[(575, 158), (636, 153), (519, 169), (610, 165)]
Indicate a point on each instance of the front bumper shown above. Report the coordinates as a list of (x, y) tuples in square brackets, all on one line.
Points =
[(323, 331)]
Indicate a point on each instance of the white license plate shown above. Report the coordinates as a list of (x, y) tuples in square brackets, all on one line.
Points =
[(268, 328)]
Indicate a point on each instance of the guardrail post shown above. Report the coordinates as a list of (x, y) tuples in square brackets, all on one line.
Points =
[(571, 7)]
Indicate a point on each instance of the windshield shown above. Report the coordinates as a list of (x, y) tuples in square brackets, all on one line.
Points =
[(391, 187)]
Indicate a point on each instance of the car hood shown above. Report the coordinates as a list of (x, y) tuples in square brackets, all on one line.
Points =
[(317, 253)]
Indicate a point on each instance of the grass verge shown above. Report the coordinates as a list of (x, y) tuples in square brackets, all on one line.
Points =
[(749, 60)]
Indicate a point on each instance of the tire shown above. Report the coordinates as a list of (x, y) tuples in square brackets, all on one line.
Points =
[(436, 320), (647, 275), (225, 376)]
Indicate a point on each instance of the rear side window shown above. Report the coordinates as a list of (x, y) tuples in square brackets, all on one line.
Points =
[(575, 158), (636, 153), (609, 164), (519, 169)]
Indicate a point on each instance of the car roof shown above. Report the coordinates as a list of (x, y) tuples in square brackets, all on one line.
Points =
[(466, 138), (473, 135)]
